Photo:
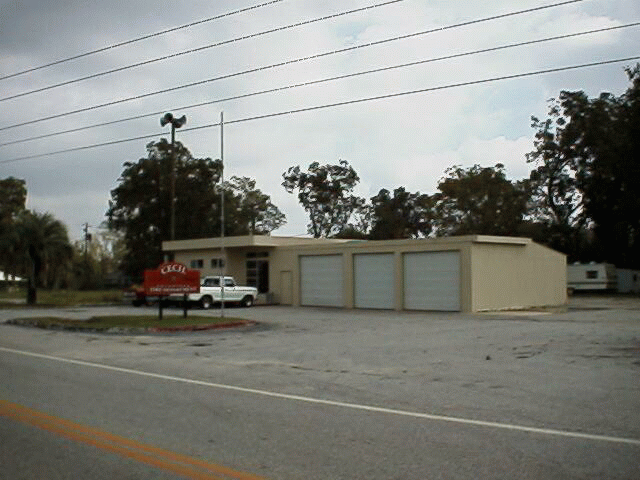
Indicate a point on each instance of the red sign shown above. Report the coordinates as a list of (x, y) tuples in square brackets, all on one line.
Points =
[(171, 278)]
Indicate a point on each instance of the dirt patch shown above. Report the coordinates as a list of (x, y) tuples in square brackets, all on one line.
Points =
[(86, 326)]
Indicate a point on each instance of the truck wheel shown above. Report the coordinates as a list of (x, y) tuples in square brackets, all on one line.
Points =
[(247, 301), (206, 302)]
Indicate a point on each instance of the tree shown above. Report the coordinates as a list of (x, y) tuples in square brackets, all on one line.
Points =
[(556, 201), (479, 200), (95, 262), (325, 193), (43, 247), (140, 204), (405, 215), (13, 196), (608, 149), (254, 207), (35, 245), (359, 227), (597, 142)]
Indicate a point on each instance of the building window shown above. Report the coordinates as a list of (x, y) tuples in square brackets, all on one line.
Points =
[(592, 274), (217, 262), (199, 263)]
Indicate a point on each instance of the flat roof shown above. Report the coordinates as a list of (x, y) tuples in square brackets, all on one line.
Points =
[(246, 241), (266, 241)]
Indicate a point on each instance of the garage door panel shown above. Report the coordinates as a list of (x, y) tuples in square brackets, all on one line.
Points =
[(321, 281), (432, 281), (374, 281)]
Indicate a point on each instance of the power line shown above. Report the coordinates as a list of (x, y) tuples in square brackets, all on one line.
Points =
[(138, 39), (329, 79), (285, 63), (197, 49), (333, 105)]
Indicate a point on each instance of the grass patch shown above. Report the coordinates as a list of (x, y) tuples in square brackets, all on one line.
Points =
[(61, 298), (135, 322)]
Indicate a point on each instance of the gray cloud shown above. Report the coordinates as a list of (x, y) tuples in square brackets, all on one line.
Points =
[(406, 141)]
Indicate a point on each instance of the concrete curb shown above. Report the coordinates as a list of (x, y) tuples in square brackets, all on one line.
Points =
[(196, 328), (134, 330)]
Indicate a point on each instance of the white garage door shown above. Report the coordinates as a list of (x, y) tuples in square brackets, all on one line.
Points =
[(374, 281), (321, 281), (432, 281)]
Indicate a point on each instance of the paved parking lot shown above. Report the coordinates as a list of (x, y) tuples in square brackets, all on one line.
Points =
[(576, 368), (573, 370)]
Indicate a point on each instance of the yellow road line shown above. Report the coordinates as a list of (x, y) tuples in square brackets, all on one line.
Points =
[(157, 457)]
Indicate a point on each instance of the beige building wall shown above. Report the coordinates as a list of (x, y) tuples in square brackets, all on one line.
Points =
[(495, 272), (206, 255), (284, 271), (235, 253), (519, 274), (286, 259)]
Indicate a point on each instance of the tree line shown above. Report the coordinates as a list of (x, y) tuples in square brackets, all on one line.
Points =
[(580, 198)]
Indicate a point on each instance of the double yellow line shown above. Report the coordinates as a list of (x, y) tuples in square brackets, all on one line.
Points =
[(183, 465)]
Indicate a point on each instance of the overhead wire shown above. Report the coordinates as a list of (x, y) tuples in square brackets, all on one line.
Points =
[(333, 105), (138, 39), (329, 79), (200, 49), (288, 62)]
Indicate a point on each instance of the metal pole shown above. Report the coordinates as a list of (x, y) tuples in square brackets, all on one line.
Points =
[(86, 255), (173, 183), (224, 260)]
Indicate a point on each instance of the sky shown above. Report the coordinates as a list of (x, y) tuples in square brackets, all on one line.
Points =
[(403, 139)]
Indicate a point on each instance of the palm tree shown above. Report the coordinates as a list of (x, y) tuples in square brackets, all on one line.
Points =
[(43, 243)]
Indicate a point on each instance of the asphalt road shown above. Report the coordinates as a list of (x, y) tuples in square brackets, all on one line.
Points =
[(321, 393)]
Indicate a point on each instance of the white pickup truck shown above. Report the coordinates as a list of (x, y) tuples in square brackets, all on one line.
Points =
[(211, 292)]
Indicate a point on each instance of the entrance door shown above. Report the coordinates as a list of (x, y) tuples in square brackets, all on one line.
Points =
[(258, 274)]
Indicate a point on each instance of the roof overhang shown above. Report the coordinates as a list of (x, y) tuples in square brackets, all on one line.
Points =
[(267, 241), (245, 241)]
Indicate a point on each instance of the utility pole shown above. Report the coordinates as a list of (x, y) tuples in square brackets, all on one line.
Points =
[(87, 239), (224, 260), (175, 123), (173, 184)]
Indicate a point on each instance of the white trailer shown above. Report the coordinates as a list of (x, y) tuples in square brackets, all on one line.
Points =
[(591, 276)]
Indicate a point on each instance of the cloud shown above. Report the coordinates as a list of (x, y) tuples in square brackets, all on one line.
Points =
[(74, 209), (402, 141)]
